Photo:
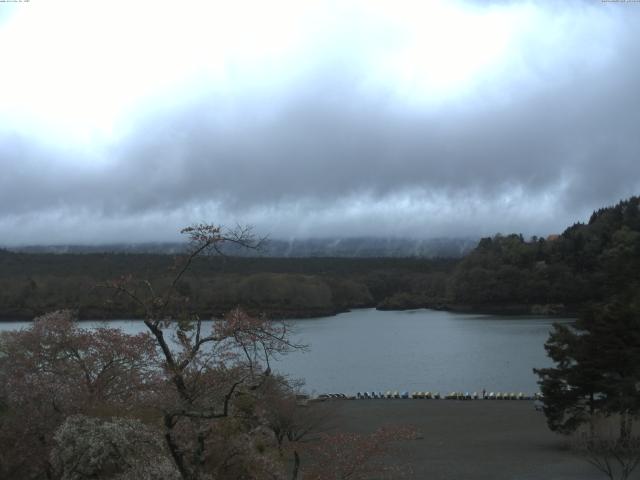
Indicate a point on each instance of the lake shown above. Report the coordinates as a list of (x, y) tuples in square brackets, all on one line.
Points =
[(416, 350)]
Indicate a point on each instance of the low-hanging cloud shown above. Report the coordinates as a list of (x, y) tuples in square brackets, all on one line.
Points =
[(330, 152)]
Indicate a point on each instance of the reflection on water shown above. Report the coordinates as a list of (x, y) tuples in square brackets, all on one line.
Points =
[(412, 350)]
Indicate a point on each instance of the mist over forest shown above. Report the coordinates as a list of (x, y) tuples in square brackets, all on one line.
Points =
[(559, 274), (256, 240)]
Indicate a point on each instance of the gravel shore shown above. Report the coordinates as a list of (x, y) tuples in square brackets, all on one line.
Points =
[(481, 439)]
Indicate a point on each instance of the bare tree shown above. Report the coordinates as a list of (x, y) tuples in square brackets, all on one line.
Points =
[(210, 367), (293, 421), (613, 454)]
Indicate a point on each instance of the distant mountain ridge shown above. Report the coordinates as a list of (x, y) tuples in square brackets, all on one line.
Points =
[(310, 247)]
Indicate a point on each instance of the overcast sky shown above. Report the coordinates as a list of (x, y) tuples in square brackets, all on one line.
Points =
[(125, 121)]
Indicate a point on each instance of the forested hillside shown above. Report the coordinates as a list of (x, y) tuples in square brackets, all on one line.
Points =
[(587, 262), (506, 273), (31, 284)]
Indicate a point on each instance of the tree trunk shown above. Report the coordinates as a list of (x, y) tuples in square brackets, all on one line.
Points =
[(625, 428), (173, 448), (592, 427), (296, 465)]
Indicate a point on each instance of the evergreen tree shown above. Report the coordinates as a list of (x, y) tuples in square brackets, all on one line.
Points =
[(597, 370)]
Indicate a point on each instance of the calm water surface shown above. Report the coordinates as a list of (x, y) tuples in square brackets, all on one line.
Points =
[(411, 350)]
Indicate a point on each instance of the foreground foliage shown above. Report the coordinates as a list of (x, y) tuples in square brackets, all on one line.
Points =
[(596, 380), (597, 370), (56, 369), (614, 456), (88, 448), (200, 398)]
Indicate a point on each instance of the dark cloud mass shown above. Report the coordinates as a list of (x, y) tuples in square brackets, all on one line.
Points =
[(332, 154)]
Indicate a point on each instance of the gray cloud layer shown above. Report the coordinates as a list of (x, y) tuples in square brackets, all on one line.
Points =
[(330, 155)]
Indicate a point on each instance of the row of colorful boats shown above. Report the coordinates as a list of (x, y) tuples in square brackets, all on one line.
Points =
[(438, 396)]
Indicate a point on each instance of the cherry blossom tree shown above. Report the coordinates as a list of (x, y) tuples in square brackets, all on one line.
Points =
[(87, 448), (214, 372), (54, 369)]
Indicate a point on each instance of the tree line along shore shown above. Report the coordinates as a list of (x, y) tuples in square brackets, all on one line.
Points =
[(507, 274)]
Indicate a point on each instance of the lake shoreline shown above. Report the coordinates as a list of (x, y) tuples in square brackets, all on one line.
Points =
[(417, 350), (523, 310)]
